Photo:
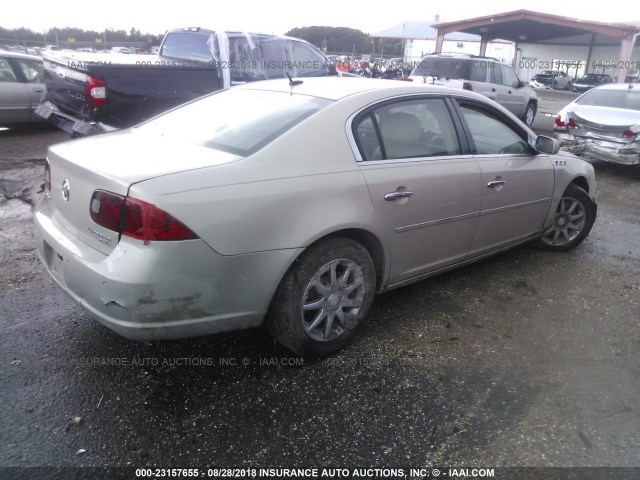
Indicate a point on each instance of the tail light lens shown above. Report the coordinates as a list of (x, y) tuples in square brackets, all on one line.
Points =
[(96, 92), (562, 125), (136, 219), (630, 134), (47, 175)]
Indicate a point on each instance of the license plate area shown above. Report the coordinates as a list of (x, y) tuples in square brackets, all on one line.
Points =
[(54, 260)]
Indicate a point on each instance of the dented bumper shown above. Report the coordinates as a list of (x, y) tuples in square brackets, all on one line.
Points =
[(625, 154), (161, 290)]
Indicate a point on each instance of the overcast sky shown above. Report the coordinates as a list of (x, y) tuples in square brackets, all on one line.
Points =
[(279, 16)]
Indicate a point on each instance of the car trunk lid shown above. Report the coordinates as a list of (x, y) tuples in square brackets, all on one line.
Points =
[(113, 163)]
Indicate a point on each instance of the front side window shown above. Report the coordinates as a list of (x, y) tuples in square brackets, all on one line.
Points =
[(509, 77), (32, 70), (407, 129), (490, 134)]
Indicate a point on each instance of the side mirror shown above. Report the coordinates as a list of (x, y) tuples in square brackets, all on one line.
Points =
[(547, 145)]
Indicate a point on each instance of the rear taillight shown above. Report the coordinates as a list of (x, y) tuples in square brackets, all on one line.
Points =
[(147, 222), (136, 219), (630, 134), (106, 209), (47, 176), (467, 86), (96, 92), (562, 125)]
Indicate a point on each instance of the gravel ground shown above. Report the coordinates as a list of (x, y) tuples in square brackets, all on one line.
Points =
[(525, 359)]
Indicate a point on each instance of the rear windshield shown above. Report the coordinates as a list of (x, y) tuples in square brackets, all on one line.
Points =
[(237, 121), (452, 68), (189, 46), (627, 99)]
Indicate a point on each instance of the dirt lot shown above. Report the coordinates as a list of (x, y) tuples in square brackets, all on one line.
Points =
[(525, 359)]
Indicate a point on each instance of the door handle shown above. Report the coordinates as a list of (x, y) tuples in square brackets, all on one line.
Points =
[(389, 197), (496, 183)]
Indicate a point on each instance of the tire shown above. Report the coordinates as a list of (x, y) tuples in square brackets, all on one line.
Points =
[(323, 297), (529, 114), (572, 221), (554, 85), (569, 85)]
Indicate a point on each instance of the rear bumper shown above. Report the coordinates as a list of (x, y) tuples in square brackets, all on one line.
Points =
[(605, 151), (69, 123), (162, 290)]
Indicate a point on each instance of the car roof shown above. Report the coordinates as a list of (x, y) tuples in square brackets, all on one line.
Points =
[(9, 53), (335, 88), (619, 86)]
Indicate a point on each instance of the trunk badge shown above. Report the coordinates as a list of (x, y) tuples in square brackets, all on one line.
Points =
[(65, 190)]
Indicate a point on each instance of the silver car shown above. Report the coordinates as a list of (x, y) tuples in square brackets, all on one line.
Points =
[(21, 87), (485, 75), (603, 123), (294, 203)]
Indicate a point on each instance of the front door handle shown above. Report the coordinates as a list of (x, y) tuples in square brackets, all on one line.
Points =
[(389, 197), (496, 183)]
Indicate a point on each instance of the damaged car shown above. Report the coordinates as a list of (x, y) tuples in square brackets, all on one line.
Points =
[(603, 124), (554, 79), (292, 203)]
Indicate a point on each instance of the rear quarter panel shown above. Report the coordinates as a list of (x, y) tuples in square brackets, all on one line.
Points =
[(297, 189)]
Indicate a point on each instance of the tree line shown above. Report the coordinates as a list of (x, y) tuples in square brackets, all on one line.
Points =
[(343, 40)]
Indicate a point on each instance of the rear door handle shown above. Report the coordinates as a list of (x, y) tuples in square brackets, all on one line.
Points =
[(496, 183), (397, 195)]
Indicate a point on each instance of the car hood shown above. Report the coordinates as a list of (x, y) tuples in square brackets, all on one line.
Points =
[(131, 156), (615, 117)]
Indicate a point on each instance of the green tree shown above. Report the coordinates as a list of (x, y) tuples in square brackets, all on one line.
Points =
[(337, 39)]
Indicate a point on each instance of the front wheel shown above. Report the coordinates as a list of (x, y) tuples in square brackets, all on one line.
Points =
[(529, 114), (572, 221), (323, 297)]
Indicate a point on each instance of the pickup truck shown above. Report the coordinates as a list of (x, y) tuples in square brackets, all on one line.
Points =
[(89, 93)]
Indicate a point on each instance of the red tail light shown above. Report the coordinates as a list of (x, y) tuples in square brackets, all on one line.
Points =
[(136, 219), (561, 125), (47, 175), (96, 92), (629, 134), (147, 222)]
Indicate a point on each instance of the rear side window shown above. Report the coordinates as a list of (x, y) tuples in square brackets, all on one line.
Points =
[(237, 121), (407, 129), (6, 72)]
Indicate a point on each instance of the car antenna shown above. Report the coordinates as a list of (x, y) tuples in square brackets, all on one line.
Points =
[(292, 82)]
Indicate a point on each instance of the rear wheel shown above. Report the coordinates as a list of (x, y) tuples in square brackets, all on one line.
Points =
[(529, 114), (554, 85), (572, 221), (322, 299)]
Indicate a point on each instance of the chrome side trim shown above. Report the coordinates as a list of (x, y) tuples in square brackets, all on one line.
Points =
[(517, 205), (435, 222)]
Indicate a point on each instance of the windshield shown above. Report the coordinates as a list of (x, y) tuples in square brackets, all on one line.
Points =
[(627, 99), (237, 121)]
